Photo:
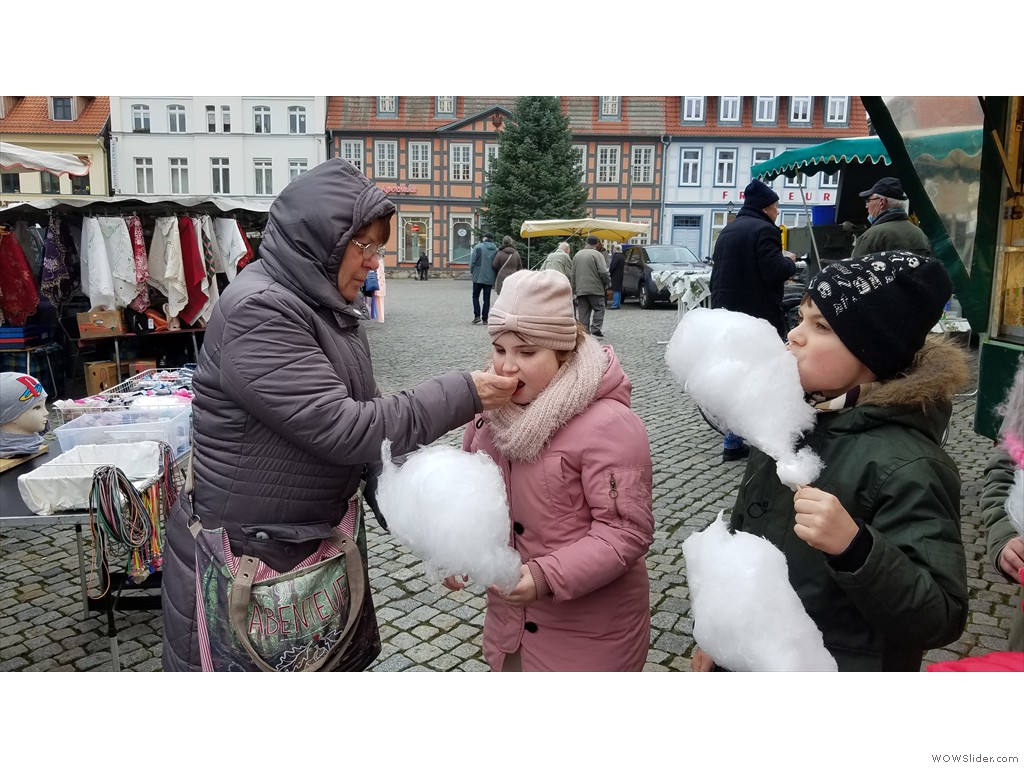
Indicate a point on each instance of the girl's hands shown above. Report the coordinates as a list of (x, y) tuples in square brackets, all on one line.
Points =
[(525, 592)]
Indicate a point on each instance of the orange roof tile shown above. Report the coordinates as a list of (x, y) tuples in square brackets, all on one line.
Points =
[(31, 114)]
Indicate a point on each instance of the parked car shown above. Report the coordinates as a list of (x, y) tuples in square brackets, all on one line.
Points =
[(641, 260)]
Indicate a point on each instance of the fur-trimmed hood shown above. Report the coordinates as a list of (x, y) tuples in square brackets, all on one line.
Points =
[(940, 370)]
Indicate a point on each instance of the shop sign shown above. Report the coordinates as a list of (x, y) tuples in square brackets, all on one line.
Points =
[(398, 189)]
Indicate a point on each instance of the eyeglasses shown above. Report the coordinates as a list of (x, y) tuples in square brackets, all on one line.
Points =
[(379, 250), (871, 200)]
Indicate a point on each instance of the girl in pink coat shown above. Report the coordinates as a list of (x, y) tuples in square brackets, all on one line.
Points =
[(577, 469)]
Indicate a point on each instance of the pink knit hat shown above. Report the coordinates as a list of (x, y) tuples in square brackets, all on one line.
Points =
[(536, 306)]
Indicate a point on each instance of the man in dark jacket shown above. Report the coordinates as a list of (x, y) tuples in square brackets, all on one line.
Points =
[(891, 229), (749, 272), (615, 270), (481, 266), (288, 420)]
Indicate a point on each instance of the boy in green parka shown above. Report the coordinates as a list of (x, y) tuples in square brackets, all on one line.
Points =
[(873, 547)]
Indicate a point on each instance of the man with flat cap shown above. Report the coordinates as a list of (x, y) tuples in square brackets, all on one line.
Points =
[(890, 228)]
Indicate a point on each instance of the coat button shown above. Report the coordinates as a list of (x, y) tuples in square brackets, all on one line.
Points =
[(262, 535), (530, 626), (518, 528)]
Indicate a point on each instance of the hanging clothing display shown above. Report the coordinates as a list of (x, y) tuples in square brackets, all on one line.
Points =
[(166, 267), (195, 271), (232, 246), (118, 245), (211, 255), (249, 255), (97, 279), (19, 296), (30, 238), (55, 283), (141, 301)]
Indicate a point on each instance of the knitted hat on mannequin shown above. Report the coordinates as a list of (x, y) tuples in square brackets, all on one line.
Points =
[(537, 306), (18, 393), (882, 306)]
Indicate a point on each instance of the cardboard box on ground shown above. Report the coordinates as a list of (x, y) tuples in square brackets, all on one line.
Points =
[(102, 374)]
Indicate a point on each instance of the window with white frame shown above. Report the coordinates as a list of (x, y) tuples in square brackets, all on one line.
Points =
[(718, 221), (296, 167), (693, 109), (353, 152), (579, 152), (140, 118), (728, 109), (221, 170), (645, 238), (10, 183), (608, 165), (225, 115), (387, 106), (61, 108), (445, 106), (385, 159), (460, 162), (144, 175), (725, 167), (793, 219), (829, 180), (838, 110), (797, 180), (642, 166), (419, 160), (610, 106), (689, 167), (179, 175), (261, 119), (490, 153), (764, 109), (264, 171), (176, 118), (211, 119), (296, 119), (799, 109), (761, 156)]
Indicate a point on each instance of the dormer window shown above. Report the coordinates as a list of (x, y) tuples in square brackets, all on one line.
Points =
[(61, 107)]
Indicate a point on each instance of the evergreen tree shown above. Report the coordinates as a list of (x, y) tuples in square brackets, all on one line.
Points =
[(535, 175)]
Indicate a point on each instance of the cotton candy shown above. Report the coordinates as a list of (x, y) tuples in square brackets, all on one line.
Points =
[(746, 615), (741, 374), (449, 508)]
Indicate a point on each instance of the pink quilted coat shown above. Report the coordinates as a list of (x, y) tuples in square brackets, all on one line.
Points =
[(582, 512)]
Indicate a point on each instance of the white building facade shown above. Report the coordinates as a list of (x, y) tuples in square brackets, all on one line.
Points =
[(707, 169), (226, 146)]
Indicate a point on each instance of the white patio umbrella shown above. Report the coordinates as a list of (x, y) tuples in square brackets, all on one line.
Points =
[(17, 159)]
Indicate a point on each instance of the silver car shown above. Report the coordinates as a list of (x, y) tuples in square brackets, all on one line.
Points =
[(641, 260)]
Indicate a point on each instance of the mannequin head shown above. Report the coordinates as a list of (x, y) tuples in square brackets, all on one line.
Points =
[(22, 404)]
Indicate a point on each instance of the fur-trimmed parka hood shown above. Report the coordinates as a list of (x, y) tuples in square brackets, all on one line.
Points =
[(940, 370)]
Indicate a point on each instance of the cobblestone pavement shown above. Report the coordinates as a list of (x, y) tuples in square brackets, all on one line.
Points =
[(424, 626)]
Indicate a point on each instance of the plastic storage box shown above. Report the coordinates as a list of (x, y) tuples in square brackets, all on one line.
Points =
[(167, 425)]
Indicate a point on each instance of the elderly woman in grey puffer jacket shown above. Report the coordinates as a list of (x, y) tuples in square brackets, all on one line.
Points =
[(287, 417)]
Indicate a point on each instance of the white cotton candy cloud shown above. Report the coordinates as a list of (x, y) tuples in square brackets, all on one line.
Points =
[(741, 374), (449, 508), (746, 615)]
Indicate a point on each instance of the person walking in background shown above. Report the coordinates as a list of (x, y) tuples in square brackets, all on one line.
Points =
[(749, 273), (590, 281), (481, 266), (576, 463), (615, 270), (890, 227), (506, 262), (422, 265), (559, 259)]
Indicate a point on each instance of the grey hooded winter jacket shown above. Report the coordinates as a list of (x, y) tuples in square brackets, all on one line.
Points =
[(287, 416)]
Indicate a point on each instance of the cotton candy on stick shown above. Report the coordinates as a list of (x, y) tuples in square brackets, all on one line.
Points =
[(746, 615), (449, 508), (741, 374)]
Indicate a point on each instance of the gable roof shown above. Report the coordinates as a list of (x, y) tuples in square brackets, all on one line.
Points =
[(31, 114)]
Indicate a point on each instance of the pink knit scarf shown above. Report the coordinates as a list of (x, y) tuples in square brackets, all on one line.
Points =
[(521, 432)]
